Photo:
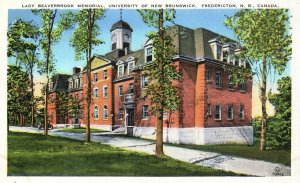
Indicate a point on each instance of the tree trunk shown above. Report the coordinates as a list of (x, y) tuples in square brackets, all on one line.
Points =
[(159, 125), (263, 99), (32, 99), (88, 74), (47, 70)]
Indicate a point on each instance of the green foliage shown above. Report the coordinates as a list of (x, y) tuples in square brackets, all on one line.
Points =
[(263, 32), (66, 105), (282, 100), (18, 92), (161, 72), (50, 156), (278, 133), (80, 21)]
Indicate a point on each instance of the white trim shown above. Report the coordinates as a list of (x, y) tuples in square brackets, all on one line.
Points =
[(95, 112), (122, 71), (133, 65), (105, 86), (97, 92)]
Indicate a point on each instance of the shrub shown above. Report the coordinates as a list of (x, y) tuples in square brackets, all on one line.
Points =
[(278, 134)]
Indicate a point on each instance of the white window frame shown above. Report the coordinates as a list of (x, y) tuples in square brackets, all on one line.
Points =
[(128, 67), (96, 112), (218, 73), (144, 115), (242, 83), (71, 85), (105, 74), (80, 82), (131, 87), (96, 77), (76, 83), (220, 112), (120, 90), (105, 94), (242, 112), (230, 107), (105, 112), (219, 51), (208, 75), (96, 89), (147, 53), (121, 70), (144, 83)]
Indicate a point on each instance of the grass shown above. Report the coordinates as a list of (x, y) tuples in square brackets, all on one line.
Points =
[(246, 151), (35, 154), (81, 130)]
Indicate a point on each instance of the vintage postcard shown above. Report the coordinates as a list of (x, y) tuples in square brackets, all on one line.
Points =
[(147, 91)]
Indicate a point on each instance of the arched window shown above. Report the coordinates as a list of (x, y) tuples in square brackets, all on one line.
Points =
[(105, 112), (96, 112)]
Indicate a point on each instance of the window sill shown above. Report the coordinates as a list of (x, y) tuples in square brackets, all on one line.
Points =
[(229, 89), (105, 97), (145, 118), (105, 118), (242, 91), (209, 81), (219, 120), (218, 87), (208, 115), (229, 119)]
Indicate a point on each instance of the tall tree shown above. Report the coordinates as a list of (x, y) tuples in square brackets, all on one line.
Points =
[(265, 42), (50, 35), (18, 95), (85, 37), (163, 94), (282, 100), (23, 42)]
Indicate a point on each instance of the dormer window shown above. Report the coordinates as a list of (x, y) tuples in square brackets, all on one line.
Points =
[(70, 84), (50, 86), (120, 70), (219, 52), (80, 81), (130, 66), (149, 55), (76, 83)]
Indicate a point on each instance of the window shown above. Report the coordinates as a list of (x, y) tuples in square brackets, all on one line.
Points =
[(120, 90), (120, 114), (229, 112), (76, 83), (218, 79), (96, 92), (50, 86), (207, 75), (104, 74), (144, 81), (218, 112), (219, 52), (130, 67), (96, 112), (105, 112), (145, 112), (95, 77), (242, 112), (149, 54), (80, 81), (104, 91), (120, 70), (230, 83), (165, 115), (225, 56), (208, 110), (242, 86), (71, 85), (131, 89)]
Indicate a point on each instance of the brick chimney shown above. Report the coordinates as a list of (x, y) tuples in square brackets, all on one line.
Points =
[(76, 70)]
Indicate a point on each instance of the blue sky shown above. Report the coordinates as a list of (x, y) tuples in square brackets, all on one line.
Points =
[(211, 19), (192, 18)]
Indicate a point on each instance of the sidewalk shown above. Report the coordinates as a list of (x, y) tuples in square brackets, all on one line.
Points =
[(209, 159)]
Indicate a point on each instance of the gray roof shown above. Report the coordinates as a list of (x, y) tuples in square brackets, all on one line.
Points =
[(121, 24)]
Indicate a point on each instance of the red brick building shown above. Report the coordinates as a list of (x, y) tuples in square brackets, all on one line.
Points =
[(212, 110)]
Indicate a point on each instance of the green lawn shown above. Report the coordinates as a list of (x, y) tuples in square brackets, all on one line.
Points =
[(35, 154), (80, 130), (246, 151)]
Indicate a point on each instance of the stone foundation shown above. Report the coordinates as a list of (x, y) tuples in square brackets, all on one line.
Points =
[(200, 136)]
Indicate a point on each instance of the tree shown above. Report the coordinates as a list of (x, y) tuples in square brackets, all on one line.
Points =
[(66, 105), (163, 94), (23, 42), (282, 100), (49, 36), (265, 43), (85, 37), (18, 95)]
